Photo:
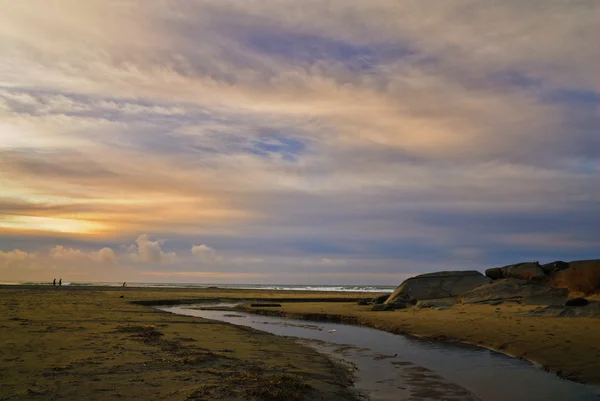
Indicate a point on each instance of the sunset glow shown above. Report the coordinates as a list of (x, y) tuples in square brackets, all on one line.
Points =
[(342, 141)]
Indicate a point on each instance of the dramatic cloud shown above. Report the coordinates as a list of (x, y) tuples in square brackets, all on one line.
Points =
[(151, 251), (337, 141)]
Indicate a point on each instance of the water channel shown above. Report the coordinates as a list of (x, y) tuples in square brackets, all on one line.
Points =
[(395, 367)]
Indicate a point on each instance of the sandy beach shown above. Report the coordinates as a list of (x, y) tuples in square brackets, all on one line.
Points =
[(96, 343), (93, 343)]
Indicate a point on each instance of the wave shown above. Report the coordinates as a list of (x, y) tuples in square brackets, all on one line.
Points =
[(279, 287)]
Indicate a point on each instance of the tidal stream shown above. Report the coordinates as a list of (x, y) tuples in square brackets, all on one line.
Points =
[(395, 367)]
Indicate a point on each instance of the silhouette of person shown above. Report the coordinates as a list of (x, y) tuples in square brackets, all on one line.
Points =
[(60, 282), (124, 284), (54, 282)]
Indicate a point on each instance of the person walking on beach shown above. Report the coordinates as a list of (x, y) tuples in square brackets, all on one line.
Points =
[(60, 282), (54, 283)]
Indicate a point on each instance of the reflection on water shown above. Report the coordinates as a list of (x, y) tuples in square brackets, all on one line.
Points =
[(394, 367)]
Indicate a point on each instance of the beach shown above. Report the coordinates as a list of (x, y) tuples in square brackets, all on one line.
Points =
[(92, 343), (105, 343)]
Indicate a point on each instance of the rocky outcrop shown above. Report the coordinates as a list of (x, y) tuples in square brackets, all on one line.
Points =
[(553, 267), (591, 264), (515, 290), (580, 276), (524, 271), (590, 310), (494, 273), (437, 285), (437, 303)]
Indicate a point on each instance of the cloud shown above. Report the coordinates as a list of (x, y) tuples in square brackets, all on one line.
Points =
[(59, 261), (204, 254), (471, 254), (209, 275), (15, 259), (151, 251), (104, 255), (311, 135)]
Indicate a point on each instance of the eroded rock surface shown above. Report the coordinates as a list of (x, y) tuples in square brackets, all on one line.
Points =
[(437, 285), (525, 271), (515, 290), (590, 310), (437, 303), (553, 267)]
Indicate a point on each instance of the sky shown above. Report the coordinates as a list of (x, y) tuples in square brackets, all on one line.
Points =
[(307, 142)]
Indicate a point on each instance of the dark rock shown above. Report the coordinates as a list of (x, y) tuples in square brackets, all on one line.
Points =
[(523, 271), (515, 290), (380, 299), (382, 307), (437, 303), (494, 273), (265, 305), (437, 285), (590, 310), (553, 267), (577, 302)]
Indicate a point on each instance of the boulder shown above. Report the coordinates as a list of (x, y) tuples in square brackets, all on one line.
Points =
[(380, 299), (525, 271), (437, 303), (553, 267), (515, 290), (437, 285), (494, 273)]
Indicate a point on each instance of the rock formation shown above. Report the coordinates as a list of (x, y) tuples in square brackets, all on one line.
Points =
[(437, 285), (515, 290), (524, 271)]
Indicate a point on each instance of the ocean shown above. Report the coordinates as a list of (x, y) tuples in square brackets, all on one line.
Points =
[(282, 287)]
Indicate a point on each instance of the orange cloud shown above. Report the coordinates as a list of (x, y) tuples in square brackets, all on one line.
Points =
[(215, 275)]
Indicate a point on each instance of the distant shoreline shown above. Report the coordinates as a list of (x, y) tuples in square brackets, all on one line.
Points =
[(274, 287)]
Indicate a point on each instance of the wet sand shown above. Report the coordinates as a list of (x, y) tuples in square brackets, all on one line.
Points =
[(569, 347), (74, 343)]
